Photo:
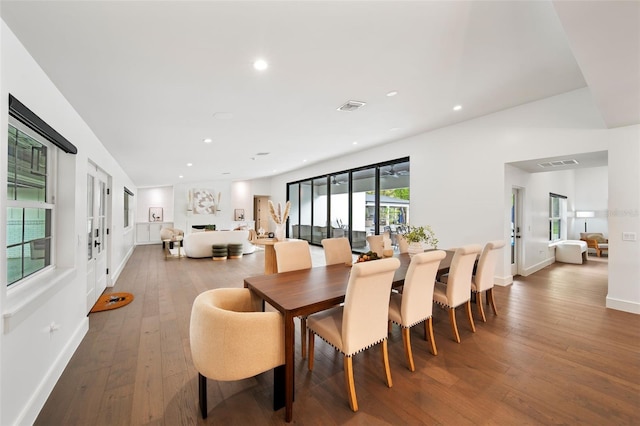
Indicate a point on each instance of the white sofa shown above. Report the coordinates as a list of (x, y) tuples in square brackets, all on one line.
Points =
[(198, 244), (571, 251)]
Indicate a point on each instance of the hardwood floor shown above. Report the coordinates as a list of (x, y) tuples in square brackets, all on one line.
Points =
[(554, 355)]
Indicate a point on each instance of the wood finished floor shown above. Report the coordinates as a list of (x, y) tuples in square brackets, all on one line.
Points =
[(554, 355)]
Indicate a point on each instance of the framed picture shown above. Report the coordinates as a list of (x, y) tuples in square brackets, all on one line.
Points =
[(155, 214), (238, 214)]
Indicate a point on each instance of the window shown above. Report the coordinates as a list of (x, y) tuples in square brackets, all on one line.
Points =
[(353, 203), (30, 202), (128, 203), (557, 217)]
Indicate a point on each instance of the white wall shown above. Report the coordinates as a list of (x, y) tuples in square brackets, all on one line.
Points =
[(592, 194), (459, 172), (31, 357), (155, 197)]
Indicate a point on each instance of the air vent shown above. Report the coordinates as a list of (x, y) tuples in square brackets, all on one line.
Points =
[(352, 106), (262, 153), (558, 163)]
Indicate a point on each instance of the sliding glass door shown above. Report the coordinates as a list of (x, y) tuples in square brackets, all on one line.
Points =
[(354, 203)]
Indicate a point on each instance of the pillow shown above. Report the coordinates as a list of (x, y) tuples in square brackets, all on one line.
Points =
[(597, 236)]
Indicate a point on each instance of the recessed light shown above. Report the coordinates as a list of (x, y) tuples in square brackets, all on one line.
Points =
[(180, 176), (207, 140), (457, 107), (260, 65), (304, 161), (189, 164), (355, 142), (392, 93)]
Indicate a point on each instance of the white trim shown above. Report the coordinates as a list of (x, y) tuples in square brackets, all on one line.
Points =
[(503, 281), (538, 266), (118, 270), (24, 300), (623, 305), (40, 395)]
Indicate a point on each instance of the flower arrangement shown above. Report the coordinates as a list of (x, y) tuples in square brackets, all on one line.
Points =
[(278, 216), (421, 234)]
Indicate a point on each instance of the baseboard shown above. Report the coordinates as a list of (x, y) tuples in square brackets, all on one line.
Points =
[(41, 393), (120, 268), (503, 281), (538, 266), (623, 305)]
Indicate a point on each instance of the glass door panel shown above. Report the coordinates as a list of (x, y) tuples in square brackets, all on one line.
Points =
[(320, 207), (363, 208), (339, 216), (305, 210), (294, 213)]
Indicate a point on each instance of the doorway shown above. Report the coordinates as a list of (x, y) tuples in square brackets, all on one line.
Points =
[(261, 212), (98, 220), (516, 234)]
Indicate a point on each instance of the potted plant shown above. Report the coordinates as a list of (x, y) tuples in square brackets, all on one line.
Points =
[(418, 237)]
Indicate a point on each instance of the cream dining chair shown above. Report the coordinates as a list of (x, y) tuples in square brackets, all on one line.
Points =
[(231, 339), (457, 291), (483, 280), (376, 243), (337, 250), (361, 321), (415, 304), (403, 244), (294, 255)]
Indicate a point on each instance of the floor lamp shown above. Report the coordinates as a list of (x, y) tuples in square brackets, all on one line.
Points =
[(585, 215)]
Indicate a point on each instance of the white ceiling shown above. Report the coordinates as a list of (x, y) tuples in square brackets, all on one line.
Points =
[(148, 76)]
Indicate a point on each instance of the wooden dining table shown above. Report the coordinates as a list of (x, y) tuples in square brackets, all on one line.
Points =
[(305, 292)]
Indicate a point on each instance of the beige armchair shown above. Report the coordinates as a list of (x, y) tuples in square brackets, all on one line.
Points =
[(457, 291), (361, 321), (483, 280), (171, 235), (596, 241), (415, 304), (231, 340)]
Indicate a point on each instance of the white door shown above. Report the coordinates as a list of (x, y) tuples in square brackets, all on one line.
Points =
[(97, 240), (516, 240)]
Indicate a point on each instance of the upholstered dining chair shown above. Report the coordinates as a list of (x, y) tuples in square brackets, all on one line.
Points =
[(376, 243), (457, 290), (231, 340), (483, 279), (337, 250), (415, 304), (361, 321), (403, 244), (294, 255)]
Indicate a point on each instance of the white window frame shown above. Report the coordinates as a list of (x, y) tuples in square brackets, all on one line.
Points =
[(561, 218), (48, 204)]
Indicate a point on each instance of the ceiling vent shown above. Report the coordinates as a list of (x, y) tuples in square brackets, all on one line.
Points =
[(558, 163), (352, 106)]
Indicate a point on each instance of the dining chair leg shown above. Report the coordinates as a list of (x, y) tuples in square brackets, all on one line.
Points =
[(428, 335), (470, 316), (312, 339), (303, 337), (385, 362), (454, 326), (492, 300), (406, 339), (348, 378), (480, 308)]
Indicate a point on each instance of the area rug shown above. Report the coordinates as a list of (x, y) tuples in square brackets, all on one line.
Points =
[(112, 301)]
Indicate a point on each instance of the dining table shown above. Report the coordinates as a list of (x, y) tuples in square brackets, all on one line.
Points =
[(305, 292)]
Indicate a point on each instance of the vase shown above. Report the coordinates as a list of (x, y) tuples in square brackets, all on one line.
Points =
[(415, 248), (280, 232)]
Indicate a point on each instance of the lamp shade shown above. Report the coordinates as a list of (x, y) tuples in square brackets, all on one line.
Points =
[(584, 213)]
